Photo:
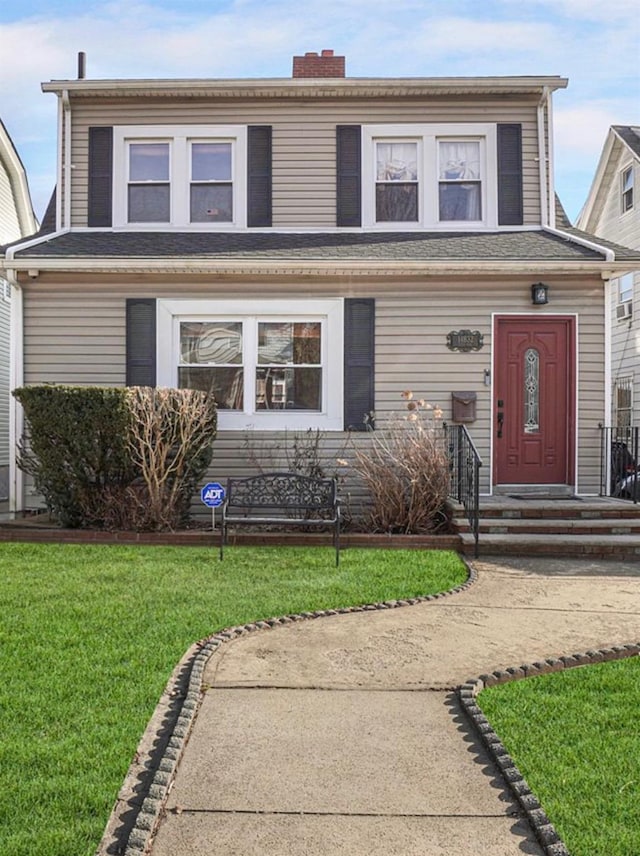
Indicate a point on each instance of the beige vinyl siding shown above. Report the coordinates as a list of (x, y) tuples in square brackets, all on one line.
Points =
[(304, 175), (74, 336)]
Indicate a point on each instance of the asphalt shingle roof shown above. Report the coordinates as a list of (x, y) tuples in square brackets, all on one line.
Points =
[(385, 246), (631, 136)]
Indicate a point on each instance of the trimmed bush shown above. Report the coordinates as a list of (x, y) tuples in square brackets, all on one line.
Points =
[(75, 447)]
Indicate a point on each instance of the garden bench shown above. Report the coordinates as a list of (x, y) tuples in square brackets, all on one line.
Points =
[(281, 499)]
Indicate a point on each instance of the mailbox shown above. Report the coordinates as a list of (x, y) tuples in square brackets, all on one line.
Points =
[(463, 406)]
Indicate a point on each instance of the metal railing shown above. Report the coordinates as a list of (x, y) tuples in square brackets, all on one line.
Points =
[(464, 469), (619, 450)]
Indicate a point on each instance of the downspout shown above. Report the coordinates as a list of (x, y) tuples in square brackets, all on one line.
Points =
[(542, 158), (16, 380), (66, 160)]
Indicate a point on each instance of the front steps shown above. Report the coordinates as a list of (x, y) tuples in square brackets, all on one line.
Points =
[(589, 527)]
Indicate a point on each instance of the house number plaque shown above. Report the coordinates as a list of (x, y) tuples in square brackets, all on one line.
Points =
[(465, 340)]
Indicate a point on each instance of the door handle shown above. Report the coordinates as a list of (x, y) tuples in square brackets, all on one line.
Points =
[(500, 423)]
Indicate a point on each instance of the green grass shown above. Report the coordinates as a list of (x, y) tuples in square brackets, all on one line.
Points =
[(574, 736), (89, 636)]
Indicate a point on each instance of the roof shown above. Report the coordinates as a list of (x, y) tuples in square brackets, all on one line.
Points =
[(108, 248), (296, 87), (630, 135)]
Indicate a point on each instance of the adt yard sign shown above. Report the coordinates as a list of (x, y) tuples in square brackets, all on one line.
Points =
[(212, 494)]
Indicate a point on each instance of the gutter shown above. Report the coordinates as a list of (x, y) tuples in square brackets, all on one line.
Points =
[(607, 252)]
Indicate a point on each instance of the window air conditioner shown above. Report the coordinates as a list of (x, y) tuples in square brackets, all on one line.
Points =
[(624, 310)]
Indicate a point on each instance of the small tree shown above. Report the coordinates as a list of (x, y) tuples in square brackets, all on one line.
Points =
[(404, 465)]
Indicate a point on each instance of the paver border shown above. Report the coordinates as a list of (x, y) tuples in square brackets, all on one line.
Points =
[(151, 774), (468, 692)]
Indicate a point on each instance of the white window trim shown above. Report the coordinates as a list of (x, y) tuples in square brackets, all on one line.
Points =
[(625, 286), (428, 136), (179, 137), (629, 168), (330, 312)]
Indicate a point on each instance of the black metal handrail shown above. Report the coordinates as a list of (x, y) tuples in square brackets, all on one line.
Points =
[(619, 466), (464, 470)]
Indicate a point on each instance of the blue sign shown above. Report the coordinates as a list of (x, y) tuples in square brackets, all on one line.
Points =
[(212, 494)]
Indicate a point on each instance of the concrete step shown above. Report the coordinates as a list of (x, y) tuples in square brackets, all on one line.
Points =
[(594, 546), (542, 526)]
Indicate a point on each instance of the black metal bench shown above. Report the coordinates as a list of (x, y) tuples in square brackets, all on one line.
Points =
[(282, 499)]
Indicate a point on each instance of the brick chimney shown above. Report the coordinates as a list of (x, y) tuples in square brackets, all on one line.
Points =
[(312, 65)]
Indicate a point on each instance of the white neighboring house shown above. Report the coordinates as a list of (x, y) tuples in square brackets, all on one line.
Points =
[(17, 221), (612, 211)]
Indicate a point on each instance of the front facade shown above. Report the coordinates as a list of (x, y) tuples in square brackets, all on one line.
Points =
[(308, 248), (612, 211), (17, 220)]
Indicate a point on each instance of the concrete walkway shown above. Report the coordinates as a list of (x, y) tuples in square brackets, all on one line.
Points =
[(343, 735)]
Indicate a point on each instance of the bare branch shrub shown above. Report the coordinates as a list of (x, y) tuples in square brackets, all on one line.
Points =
[(406, 470), (170, 443)]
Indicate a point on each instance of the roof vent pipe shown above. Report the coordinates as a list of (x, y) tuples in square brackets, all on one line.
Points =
[(82, 65)]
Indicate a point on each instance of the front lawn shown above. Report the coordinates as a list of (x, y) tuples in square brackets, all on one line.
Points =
[(89, 636), (574, 736)]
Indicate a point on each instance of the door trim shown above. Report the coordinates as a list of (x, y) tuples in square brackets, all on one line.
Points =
[(572, 321)]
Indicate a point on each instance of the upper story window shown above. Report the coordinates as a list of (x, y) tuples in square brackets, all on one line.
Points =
[(179, 176), (627, 189), (431, 176)]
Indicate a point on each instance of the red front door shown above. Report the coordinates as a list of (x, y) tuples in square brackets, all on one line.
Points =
[(534, 400)]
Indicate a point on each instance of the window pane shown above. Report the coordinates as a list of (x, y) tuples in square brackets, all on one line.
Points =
[(211, 342), (397, 203), (459, 161), (211, 162), (397, 161), (460, 201), (284, 343), (211, 203), (289, 389), (149, 162), (149, 203), (531, 391), (226, 384), (627, 189), (625, 288)]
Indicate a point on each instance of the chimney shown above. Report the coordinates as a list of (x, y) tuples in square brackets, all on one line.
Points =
[(312, 65)]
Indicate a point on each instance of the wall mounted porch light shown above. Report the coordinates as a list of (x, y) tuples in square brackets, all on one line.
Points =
[(539, 294)]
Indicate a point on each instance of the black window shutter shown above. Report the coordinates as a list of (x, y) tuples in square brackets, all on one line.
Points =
[(359, 363), (348, 175), (259, 183), (100, 176), (510, 206), (141, 342)]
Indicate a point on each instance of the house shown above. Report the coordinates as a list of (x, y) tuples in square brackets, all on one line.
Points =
[(309, 247), (17, 220), (612, 211)]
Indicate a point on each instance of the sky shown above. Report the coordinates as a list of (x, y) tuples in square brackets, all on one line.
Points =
[(594, 43)]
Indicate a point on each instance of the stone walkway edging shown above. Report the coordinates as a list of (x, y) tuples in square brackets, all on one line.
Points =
[(151, 810), (468, 692)]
